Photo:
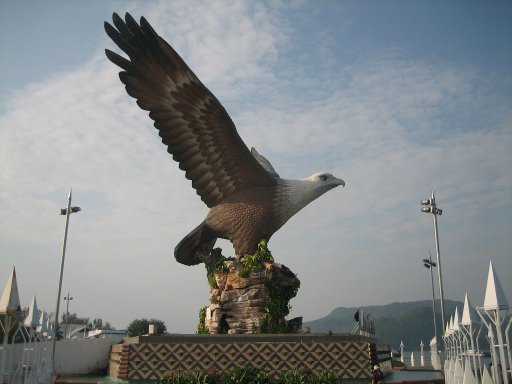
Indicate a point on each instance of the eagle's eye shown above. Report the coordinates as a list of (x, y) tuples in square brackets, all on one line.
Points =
[(323, 177)]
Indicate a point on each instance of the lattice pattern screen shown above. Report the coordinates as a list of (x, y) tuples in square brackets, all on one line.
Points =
[(152, 361)]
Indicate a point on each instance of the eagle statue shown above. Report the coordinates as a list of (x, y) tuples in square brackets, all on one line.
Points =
[(248, 200)]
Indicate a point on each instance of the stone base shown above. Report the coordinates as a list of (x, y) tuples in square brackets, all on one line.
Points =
[(251, 302)]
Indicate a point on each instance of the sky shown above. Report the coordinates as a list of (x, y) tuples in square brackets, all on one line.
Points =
[(398, 98)]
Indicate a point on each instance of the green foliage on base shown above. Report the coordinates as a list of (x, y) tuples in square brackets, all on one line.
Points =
[(253, 263), (278, 306), (201, 327), (245, 375), (215, 267), (277, 309), (250, 375)]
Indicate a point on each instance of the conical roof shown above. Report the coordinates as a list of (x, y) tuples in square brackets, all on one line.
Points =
[(458, 372), (469, 378), (469, 316), (32, 319), (494, 295), (456, 320), (42, 323), (10, 301), (49, 331), (486, 377)]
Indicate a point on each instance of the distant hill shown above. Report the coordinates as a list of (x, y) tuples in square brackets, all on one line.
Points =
[(411, 322)]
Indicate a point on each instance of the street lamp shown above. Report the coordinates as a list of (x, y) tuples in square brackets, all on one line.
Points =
[(430, 207), (67, 211), (429, 264), (68, 298)]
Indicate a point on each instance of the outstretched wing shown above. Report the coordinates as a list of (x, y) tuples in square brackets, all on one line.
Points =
[(193, 124), (264, 162)]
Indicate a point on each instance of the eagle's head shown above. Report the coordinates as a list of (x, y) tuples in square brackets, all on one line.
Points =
[(302, 192), (325, 181)]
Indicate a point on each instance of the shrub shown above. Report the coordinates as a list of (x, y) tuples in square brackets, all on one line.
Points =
[(250, 375), (139, 327), (253, 263)]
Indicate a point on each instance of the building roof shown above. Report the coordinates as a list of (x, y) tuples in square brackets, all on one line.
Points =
[(98, 332)]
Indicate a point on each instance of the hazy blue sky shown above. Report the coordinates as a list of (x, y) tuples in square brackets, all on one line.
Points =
[(395, 97)]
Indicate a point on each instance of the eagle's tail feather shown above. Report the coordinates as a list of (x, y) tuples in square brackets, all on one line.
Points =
[(196, 246)]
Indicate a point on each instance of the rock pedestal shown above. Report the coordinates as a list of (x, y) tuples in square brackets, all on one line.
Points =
[(251, 301)]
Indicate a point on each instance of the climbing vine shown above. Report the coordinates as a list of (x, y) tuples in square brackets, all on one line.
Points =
[(215, 267), (278, 307), (253, 263), (201, 326)]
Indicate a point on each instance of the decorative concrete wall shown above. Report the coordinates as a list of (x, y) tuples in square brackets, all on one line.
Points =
[(152, 357)]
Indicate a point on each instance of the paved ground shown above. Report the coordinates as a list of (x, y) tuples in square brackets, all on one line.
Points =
[(420, 376)]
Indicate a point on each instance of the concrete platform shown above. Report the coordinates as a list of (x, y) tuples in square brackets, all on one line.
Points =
[(414, 376)]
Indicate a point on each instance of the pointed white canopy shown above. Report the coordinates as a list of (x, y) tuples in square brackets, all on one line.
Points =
[(10, 301), (32, 319), (451, 330), (486, 379), (469, 378), (494, 296), (456, 320), (469, 316), (458, 372), (49, 330), (42, 323)]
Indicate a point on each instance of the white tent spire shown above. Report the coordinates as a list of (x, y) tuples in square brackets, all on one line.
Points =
[(469, 316), (10, 301), (42, 323), (456, 320), (32, 319), (494, 296)]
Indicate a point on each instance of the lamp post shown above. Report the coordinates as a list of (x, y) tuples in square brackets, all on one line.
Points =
[(430, 207), (67, 298), (429, 264), (66, 211)]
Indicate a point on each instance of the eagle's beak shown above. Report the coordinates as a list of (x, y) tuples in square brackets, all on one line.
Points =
[(339, 182)]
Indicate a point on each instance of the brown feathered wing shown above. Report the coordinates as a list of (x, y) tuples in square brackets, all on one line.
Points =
[(197, 130)]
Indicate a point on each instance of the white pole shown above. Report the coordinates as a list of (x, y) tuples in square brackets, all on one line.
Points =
[(499, 335), (470, 346), (490, 337), (433, 299), (7, 329), (508, 343), (478, 349), (422, 357), (68, 331), (436, 233), (56, 320), (448, 347)]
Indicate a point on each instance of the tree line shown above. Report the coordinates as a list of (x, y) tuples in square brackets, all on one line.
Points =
[(96, 323)]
